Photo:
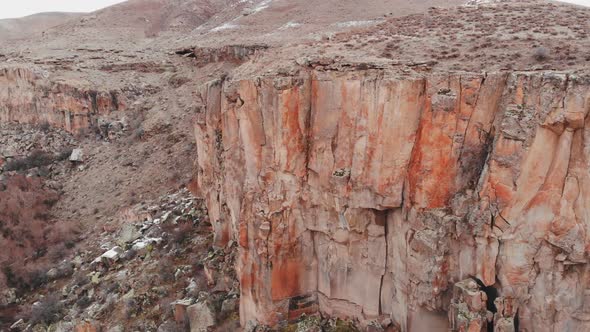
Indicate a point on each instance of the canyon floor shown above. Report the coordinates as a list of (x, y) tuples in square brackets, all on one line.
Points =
[(296, 165)]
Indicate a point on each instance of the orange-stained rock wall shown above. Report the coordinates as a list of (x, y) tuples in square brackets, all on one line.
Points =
[(369, 196), (26, 96)]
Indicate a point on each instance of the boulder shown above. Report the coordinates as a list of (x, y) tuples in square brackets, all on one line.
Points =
[(128, 233), (109, 257), (128, 255), (52, 274), (200, 317), (170, 326), (38, 328), (180, 310), (143, 246), (192, 289), (230, 305), (63, 327), (467, 311), (8, 296), (77, 156), (64, 269), (116, 129), (116, 328), (18, 325), (87, 327)]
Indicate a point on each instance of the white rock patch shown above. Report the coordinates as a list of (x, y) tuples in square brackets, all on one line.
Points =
[(351, 24), (225, 26), (290, 25), (261, 6)]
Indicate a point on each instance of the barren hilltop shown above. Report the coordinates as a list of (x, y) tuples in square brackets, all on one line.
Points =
[(296, 165)]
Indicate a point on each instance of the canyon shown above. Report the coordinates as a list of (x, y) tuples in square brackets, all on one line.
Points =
[(418, 170)]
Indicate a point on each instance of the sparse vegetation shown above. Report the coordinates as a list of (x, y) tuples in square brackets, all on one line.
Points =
[(541, 53), (166, 270), (180, 232), (64, 154), (130, 307), (37, 158), (83, 302), (47, 311), (176, 81), (44, 126), (37, 278), (81, 279), (136, 130), (138, 134), (32, 241)]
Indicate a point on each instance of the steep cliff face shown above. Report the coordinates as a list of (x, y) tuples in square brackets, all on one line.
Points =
[(29, 96), (446, 201)]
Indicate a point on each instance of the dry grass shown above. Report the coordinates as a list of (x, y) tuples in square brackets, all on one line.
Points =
[(490, 37)]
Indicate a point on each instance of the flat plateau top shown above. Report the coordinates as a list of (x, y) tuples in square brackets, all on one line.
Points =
[(528, 35), (515, 36)]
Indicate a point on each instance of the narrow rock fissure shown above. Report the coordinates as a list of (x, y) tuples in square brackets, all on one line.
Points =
[(381, 218), (307, 126), (114, 100)]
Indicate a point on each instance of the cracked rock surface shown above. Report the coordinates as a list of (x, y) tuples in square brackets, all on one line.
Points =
[(369, 196)]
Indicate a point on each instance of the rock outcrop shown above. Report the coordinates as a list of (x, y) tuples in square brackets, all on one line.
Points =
[(372, 196), (231, 53), (29, 96)]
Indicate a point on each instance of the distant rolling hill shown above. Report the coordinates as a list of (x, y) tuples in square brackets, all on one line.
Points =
[(14, 29)]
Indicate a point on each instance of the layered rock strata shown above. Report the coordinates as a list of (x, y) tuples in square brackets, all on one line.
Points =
[(369, 195), (30, 96), (230, 53)]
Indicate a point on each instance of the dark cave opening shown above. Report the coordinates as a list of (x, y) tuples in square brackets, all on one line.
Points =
[(492, 295)]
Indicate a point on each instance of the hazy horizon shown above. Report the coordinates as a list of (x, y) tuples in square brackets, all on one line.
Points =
[(21, 8), (578, 2)]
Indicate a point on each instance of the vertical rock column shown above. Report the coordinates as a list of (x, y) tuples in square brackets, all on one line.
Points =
[(252, 165), (535, 185), (467, 312)]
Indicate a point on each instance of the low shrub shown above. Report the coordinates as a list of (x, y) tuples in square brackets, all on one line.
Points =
[(37, 278), (64, 154), (84, 302), (166, 270), (37, 158), (46, 311), (541, 53)]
